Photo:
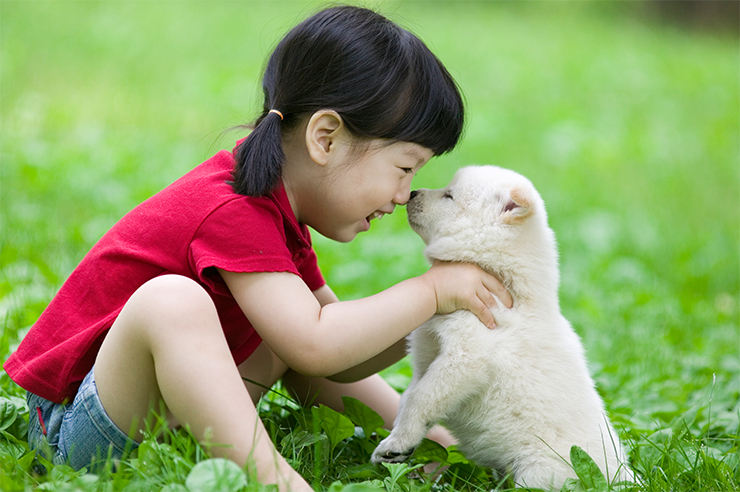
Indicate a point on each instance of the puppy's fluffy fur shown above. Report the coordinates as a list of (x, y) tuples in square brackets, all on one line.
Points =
[(519, 396)]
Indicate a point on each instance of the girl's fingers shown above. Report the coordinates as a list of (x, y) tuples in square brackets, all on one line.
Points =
[(496, 288), (491, 295), (486, 316), (452, 282)]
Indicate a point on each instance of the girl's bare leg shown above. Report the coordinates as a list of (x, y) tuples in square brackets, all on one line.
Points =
[(261, 371), (167, 345), (373, 391)]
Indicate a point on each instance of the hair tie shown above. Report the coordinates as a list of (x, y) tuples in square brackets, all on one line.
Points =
[(277, 113)]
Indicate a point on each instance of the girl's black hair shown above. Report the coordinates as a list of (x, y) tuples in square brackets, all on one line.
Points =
[(381, 79)]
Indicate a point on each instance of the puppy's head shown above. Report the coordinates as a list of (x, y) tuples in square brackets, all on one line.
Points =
[(484, 209)]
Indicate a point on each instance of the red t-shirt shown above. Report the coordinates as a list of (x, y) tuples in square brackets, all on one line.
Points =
[(194, 225)]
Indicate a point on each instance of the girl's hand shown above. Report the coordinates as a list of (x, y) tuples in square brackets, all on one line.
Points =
[(466, 286)]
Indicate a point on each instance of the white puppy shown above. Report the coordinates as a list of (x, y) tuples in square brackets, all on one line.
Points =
[(519, 396)]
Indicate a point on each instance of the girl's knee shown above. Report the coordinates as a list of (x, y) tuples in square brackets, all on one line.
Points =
[(173, 283), (176, 290), (168, 299)]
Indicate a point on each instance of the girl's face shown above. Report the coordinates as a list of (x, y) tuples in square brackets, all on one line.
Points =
[(359, 189)]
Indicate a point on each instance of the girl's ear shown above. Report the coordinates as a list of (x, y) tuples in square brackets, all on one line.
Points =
[(322, 134)]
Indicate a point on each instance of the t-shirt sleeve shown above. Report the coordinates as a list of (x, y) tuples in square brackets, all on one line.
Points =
[(240, 236), (310, 272)]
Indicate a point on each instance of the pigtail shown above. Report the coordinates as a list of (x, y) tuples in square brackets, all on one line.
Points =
[(259, 158)]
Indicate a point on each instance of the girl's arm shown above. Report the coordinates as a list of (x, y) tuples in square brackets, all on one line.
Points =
[(325, 295), (388, 357), (317, 340)]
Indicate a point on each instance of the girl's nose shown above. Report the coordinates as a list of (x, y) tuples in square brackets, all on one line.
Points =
[(402, 197)]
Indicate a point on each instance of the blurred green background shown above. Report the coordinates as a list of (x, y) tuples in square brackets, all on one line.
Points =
[(625, 117)]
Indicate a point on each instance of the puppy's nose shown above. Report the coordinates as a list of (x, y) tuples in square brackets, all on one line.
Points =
[(413, 194)]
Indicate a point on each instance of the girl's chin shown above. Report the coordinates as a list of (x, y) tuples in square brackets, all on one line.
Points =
[(348, 233), (343, 236)]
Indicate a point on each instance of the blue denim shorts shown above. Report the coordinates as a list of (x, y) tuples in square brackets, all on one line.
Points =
[(79, 434)]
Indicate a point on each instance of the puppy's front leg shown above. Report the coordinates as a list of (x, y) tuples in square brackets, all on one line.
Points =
[(446, 383)]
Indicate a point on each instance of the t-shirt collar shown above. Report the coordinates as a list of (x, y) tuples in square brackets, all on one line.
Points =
[(280, 197)]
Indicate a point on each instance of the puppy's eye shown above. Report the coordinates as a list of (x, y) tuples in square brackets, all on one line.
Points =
[(447, 195)]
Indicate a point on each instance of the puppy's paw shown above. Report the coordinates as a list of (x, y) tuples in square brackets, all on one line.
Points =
[(388, 451)]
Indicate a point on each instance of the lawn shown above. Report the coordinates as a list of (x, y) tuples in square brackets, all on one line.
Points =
[(628, 125)]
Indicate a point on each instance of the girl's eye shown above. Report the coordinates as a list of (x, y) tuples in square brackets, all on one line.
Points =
[(407, 170)]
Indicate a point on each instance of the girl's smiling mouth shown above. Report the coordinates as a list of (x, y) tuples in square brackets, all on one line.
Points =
[(375, 215)]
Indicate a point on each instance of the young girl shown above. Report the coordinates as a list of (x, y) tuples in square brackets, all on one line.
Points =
[(214, 279)]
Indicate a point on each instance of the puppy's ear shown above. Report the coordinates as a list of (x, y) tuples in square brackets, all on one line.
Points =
[(518, 208)]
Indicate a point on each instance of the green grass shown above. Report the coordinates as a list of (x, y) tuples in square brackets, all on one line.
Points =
[(629, 128)]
